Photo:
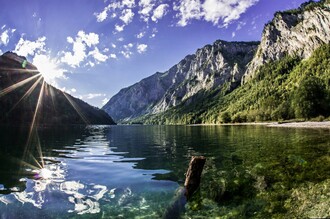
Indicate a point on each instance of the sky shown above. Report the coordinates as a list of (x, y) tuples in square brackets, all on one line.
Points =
[(93, 48)]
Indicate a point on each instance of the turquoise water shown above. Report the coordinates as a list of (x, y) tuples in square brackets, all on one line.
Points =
[(137, 171)]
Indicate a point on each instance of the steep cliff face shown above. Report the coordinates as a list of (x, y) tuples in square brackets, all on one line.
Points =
[(25, 98), (210, 68), (295, 33)]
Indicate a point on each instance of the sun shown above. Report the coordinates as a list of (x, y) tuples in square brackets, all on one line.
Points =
[(48, 68)]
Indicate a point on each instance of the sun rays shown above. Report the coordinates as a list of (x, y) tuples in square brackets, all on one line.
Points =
[(76, 108), (17, 85), (34, 81)]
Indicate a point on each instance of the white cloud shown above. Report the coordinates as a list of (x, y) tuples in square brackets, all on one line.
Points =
[(188, 10), (146, 7), (97, 55), (140, 35), (92, 96), (105, 100), (127, 46), (73, 90), (69, 40), (154, 31), (113, 45), (129, 3), (77, 55), (90, 39), (91, 64), (121, 39), (4, 38), (127, 16), (240, 25), (102, 16), (212, 10), (126, 54), (141, 48), (113, 56), (119, 28), (106, 50), (159, 12), (26, 47), (79, 47), (233, 34)]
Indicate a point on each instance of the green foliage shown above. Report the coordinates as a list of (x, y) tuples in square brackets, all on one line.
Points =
[(275, 94), (225, 117), (310, 98)]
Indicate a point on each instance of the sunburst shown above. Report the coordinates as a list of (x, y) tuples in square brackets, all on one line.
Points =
[(48, 71), (48, 68)]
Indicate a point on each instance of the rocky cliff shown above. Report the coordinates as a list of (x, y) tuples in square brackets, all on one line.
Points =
[(296, 32), (25, 98), (209, 68)]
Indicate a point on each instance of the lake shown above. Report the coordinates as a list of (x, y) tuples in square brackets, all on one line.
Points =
[(137, 172)]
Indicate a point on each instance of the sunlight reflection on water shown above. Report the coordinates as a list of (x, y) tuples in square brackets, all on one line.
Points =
[(84, 197), (87, 177)]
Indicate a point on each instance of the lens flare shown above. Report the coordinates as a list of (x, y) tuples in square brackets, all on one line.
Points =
[(44, 173)]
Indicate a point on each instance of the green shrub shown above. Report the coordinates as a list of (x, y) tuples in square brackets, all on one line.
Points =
[(225, 117)]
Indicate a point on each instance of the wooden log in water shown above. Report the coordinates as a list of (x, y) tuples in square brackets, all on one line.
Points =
[(193, 175), (193, 179)]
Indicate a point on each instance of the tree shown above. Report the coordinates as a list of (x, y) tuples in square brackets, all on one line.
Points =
[(309, 99), (225, 117)]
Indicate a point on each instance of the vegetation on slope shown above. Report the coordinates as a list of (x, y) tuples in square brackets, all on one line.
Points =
[(289, 88)]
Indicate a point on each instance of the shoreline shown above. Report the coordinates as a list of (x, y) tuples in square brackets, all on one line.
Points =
[(307, 124), (325, 124)]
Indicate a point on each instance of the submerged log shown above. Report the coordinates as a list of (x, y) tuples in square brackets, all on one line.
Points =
[(193, 175), (175, 209), (193, 179)]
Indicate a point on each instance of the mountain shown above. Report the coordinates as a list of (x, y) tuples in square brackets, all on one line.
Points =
[(297, 32), (210, 68), (241, 81), (26, 98)]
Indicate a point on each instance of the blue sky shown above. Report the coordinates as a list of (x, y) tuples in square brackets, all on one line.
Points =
[(93, 48)]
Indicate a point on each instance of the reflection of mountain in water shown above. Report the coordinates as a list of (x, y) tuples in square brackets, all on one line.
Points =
[(83, 175), (170, 147), (16, 152)]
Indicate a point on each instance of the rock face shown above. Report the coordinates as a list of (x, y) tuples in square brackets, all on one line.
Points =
[(210, 68), (25, 98), (295, 33)]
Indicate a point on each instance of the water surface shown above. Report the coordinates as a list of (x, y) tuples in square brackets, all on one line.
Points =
[(136, 171)]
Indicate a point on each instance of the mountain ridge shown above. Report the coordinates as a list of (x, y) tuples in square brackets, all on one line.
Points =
[(26, 98), (214, 71), (159, 91), (295, 32)]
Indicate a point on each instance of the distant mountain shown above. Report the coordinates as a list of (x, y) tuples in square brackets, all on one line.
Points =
[(238, 81), (25, 97), (212, 67)]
